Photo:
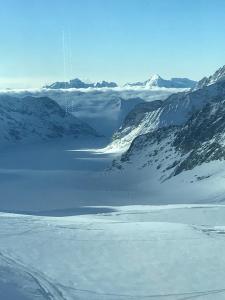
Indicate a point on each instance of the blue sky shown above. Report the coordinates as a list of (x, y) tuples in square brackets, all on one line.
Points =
[(118, 40)]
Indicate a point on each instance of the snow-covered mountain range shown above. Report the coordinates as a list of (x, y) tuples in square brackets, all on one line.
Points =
[(185, 131), (78, 84), (156, 81), (102, 109), (148, 122), (175, 110), (35, 119), (176, 153)]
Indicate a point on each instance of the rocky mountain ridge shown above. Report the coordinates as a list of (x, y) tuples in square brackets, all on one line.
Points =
[(36, 119), (187, 131), (78, 84)]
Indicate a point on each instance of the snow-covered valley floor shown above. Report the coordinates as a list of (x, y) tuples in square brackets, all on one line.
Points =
[(60, 177), (69, 229), (133, 252)]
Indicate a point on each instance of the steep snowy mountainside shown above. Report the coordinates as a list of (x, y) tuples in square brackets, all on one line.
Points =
[(171, 150), (175, 110), (157, 81), (218, 76), (137, 114), (140, 120), (77, 84), (33, 118)]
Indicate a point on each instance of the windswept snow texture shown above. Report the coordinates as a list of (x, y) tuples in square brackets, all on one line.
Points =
[(137, 252)]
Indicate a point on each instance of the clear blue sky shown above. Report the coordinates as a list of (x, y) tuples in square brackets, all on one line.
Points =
[(118, 40)]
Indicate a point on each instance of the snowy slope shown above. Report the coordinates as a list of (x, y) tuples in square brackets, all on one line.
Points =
[(142, 119), (35, 119), (176, 144), (195, 150), (137, 252)]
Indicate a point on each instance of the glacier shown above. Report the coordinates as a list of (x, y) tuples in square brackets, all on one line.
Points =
[(113, 193)]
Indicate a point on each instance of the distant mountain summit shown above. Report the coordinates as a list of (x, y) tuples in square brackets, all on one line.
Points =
[(153, 81), (157, 81), (78, 84)]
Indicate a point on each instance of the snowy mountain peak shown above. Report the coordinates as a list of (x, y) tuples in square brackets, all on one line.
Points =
[(158, 82), (155, 77), (154, 80), (78, 84)]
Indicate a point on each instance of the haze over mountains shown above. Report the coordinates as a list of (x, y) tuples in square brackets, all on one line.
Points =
[(103, 109), (104, 105)]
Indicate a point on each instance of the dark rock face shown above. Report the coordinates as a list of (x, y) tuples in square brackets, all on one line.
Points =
[(104, 83), (206, 153), (143, 141), (204, 125), (202, 137)]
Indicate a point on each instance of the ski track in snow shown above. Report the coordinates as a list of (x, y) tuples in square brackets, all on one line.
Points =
[(111, 231), (46, 288)]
